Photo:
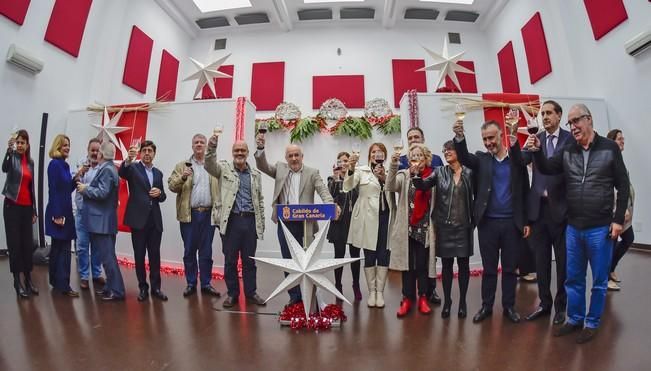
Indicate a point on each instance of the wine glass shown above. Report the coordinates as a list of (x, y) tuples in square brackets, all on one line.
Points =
[(356, 148), (460, 112), (379, 158), (532, 126), (218, 130), (263, 127), (512, 118), (398, 146), (14, 135), (415, 159)]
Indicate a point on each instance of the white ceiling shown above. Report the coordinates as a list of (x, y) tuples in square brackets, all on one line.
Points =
[(283, 14)]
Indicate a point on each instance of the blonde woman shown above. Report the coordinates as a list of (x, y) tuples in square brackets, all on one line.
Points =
[(369, 224), (411, 231), (59, 220)]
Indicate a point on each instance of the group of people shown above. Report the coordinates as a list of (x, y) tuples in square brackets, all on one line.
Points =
[(403, 215)]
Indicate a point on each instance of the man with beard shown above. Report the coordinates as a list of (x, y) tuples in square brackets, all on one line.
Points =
[(241, 218), (592, 168), (88, 164), (143, 215), (547, 212), (502, 185)]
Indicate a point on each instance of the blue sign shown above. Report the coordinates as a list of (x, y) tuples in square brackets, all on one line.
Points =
[(306, 212)]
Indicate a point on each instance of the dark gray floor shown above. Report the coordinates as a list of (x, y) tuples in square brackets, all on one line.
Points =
[(52, 332)]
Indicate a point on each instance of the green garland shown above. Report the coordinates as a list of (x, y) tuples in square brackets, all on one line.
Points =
[(390, 127), (304, 129), (356, 127)]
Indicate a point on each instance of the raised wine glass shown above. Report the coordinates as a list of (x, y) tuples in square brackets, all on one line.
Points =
[(263, 127), (532, 126), (512, 118), (218, 130), (398, 146), (356, 148), (379, 157), (460, 112)]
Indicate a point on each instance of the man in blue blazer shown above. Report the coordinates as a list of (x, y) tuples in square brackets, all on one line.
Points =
[(100, 216), (547, 213), (143, 216)]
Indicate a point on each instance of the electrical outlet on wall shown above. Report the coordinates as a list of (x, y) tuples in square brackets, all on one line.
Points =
[(637, 227)]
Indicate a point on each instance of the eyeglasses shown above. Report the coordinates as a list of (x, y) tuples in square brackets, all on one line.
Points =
[(575, 120)]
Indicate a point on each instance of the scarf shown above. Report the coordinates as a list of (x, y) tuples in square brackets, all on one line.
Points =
[(421, 200)]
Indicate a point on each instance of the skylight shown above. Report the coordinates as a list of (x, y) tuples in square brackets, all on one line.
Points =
[(206, 6), (466, 2)]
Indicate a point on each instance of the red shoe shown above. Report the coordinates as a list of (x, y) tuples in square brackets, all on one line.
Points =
[(423, 306), (405, 307)]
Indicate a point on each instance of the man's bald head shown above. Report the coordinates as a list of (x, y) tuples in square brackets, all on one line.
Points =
[(294, 157), (240, 152)]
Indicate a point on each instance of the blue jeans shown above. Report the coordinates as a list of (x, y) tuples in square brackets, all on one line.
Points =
[(83, 252), (197, 237), (594, 246)]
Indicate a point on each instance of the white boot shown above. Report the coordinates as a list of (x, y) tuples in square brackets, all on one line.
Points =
[(371, 282), (381, 279)]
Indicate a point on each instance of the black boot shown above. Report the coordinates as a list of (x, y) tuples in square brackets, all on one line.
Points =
[(20, 290), (29, 285), (447, 306)]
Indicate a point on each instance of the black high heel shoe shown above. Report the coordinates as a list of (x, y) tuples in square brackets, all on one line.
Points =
[(445, 313), (463, 311), (30, 288)]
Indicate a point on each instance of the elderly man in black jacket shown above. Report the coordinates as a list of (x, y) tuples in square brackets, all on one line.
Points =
[(502, 185), (592, 168)]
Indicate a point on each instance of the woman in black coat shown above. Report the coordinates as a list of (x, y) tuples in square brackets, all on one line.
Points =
[(452, 216), (338, 232), (19, 211)]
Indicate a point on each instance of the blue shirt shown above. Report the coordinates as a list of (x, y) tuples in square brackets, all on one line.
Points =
[(404, 163), (500, 203), (149, 170), (243, 200)]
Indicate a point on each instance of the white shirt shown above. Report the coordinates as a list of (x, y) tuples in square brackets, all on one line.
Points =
[(292, 186)]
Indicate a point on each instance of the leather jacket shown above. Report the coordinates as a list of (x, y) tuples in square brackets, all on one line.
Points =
[(11, 165)]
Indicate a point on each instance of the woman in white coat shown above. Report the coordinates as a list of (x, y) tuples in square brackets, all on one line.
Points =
[(369, 224)]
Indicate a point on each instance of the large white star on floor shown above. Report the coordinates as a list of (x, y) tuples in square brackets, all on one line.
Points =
[(446, 64), (207, 74), (109, 128), (306, 267)]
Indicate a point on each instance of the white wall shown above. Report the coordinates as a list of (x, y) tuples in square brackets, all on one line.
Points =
[(582, 66), (367, 50)]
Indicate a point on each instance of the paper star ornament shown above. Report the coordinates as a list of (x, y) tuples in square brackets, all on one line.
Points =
[(446, 64), (306, 268), (109, 128), (207, 74)]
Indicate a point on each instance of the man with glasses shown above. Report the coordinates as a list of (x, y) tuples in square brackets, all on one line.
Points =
[(592, 167), (547, 212)]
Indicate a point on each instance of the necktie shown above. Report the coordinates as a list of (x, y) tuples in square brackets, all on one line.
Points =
[(550, 145)]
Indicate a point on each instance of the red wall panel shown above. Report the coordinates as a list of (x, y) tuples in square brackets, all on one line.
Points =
[(406, 78), (223, 85), (136, 66), (508, 69), (16, 10), (167, 77), (67, 23), (347, 88), (605, 15), (535, 47), (467, 81), (267, 85)]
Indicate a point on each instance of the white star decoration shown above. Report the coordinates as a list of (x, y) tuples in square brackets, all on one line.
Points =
[(109, 128), (446, 64), (306, 267), (207, 74)]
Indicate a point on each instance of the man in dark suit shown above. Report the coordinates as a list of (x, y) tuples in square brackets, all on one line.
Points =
[(502, 186), (100, 216), (143, 215), (416, 135), (547, 212)]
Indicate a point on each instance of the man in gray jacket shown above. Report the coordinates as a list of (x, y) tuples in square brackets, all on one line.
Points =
[(240, 217)]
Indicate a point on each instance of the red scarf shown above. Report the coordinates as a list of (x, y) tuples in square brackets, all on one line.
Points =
[(421, 200)]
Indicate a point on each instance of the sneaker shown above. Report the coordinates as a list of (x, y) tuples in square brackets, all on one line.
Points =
[(613, 286), (613, 277), (586, 335)]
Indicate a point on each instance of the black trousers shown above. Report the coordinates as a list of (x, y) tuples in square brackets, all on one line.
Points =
[(295, 229), (340, 252), (417, 274), (545, 236), (526, 258), (626, 240), (240, 240), (381, 255), (498, 236), (18, 228), (146, 241)]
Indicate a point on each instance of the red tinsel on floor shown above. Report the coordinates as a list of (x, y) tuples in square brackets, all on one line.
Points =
[(295, 314), (179, 271)]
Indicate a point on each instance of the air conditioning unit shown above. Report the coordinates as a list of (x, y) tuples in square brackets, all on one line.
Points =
[(21, 58), (638, 44)]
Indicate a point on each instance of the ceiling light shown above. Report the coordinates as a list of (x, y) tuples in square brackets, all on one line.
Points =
[(206, 6), (331, 1), (466, 2)]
